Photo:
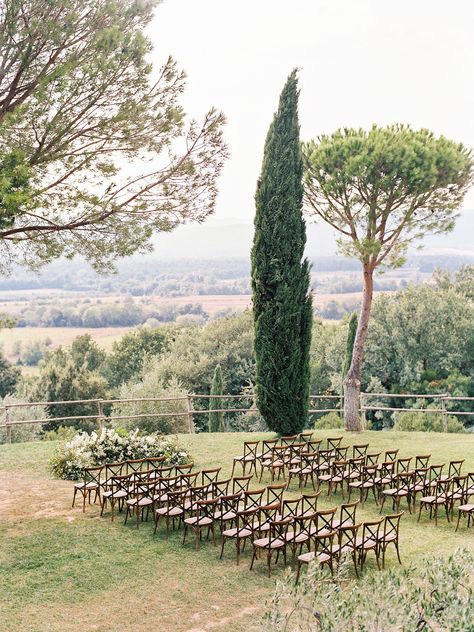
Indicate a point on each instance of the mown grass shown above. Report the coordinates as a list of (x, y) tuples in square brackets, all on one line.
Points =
[(62, 570)]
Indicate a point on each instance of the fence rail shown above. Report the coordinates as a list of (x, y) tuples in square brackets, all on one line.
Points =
[(189, 411)]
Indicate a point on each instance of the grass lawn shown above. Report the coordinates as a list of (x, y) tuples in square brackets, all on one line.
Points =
[(61, 570)]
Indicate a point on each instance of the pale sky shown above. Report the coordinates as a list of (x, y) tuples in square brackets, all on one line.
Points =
[(362, 62)]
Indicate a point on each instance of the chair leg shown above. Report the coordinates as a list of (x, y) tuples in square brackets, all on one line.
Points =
[(398, 552), (254, 555), (222, 547), (459, 518), (269, 562)]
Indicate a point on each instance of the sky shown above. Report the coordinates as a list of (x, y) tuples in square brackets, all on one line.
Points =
[(361, 62)]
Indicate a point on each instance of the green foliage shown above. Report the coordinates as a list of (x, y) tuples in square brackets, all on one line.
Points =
[(108, 446), (22, 432), (63, 433), (150, 387), (282, 303), (131, 351), (426, 422), (9, 377), (328, 421), (436, 595), (385, 188), (351, 334), (80, 99), (216, 420)]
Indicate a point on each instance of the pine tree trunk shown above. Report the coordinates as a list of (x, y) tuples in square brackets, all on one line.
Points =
[(352, 381)]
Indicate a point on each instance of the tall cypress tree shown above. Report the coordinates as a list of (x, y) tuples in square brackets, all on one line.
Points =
[(282, 302), (216, 420), (351, 334)]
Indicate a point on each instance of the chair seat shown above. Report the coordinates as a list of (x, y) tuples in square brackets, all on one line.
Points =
[(296, 536), (172, 511), (245, 458), (227, 515), (432, 499), (367, 544), (197, 521), (345, 548), (86, 485), (266, 543), (143, 502), (309, 557), (241, 532), (467, 508)]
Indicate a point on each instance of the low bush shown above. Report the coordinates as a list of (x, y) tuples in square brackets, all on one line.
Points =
[(426, 422), (23, 432), (110, 446), (331, 420), (437, 595)]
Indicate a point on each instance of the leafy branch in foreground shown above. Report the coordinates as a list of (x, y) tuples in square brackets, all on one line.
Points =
[(96, 152)]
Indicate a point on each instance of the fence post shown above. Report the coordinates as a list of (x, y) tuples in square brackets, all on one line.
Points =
[(444, 417), (100, 417), (362, 403), (8, 428), (190, 414)]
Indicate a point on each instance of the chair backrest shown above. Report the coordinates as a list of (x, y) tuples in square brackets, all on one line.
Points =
[(347, 536), (470, 483), (164, 472), (155, 461), (369, 473), (229, 503), (167, 484), (324, 457), (221, 488), (93, 475), (455, 468), (339, 467), (241, 484), (372, 458), (267, 446), (391, 455), (309, 459), (134, 465), (305, 524), (250, 449), (290, 507), (309, 503), (420, 476), (265, 515), (387, 468), (120, 483), (188, 479), (422, 460), (209, 476), (183, 468), (341, 452), (142, 488), (113, 469), (347, 513), (324, 520), (305, 436), (144, 475), (280, 453), (198, 493), (404, 482), (333, 442), (289, 440), (436, 472), (355, 466), (325, 542), (391, 526), (371, 530), (207, 507), (459, 486), (275, 493), (179, 499), (359, 450), (295, 449), (278, 532), (253, 498), (443, 488), (403, 465), (314, 444)]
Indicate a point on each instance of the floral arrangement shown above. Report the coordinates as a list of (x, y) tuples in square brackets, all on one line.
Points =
[(110, 446)]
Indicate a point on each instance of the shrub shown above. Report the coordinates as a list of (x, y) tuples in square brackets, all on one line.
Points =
[(247, 422), (438, 595), (330, 420), (23, 432), (426, 422), (152, 386), (110, 446), (63, 433)]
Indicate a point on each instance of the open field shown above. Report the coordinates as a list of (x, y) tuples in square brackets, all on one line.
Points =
[(61, 570)]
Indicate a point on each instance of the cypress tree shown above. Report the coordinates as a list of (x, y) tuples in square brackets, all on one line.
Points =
[(351, 334), (282, 302), (216, 420)]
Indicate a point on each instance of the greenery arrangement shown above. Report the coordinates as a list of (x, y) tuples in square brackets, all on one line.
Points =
[(111, 446), (282, 302), (436, 595)]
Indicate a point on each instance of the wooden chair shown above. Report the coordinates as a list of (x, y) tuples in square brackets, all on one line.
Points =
[(465, 511), (306, 436), (210, 476), (347, 514), (391, 455), (220, 487), (294, 453), (90, 483), (420, 483), (322, 554), (289, 440), (140, 498), (333, 442), (403, 465), (440, 497), (435, 475), (240, 533), (117, 492), (367, 483), (402, 489), (252, 499), (346, 544), (304, 470), (457, 491), (276, 463), (337, 477), (454, 469), (266, 453), (422, 461), (359, 450), (184, 468), (369, 541), (308, 504), (204, 519), (226, 511), (275, 538), (372, 458), (390, 535), (290, 508), (174, 508), (248, 458), (300, 531), (353, 471), (385, 476), (241, 484), (324, 521), (274, 493)]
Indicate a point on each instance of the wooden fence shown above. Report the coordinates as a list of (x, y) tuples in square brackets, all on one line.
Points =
[(8, 422)]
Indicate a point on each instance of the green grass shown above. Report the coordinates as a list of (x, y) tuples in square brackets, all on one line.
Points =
[(62, 570)]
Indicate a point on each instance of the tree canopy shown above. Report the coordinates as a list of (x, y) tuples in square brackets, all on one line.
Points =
[(96, 152)]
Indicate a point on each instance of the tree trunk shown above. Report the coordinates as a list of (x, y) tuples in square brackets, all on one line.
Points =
[(352, 381)]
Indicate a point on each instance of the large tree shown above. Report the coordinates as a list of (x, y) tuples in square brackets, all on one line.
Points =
[(282, 302), (96, 153), (382, 190)]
